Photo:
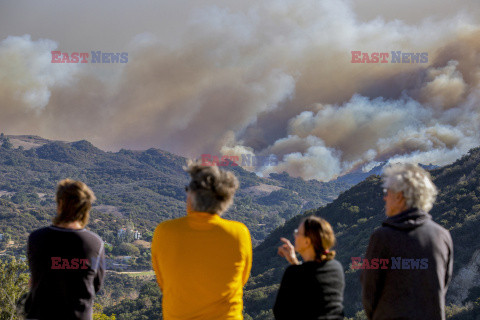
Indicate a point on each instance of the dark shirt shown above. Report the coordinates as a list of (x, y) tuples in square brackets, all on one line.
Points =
[(414, 283), (312, 290), (67, 268)]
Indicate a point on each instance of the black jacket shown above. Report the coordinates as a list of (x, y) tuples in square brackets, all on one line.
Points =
[(311, 291), (67, 269), (420, 262)]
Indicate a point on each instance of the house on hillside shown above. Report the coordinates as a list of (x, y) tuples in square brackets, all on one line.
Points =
[(137, 235), (124, 232)]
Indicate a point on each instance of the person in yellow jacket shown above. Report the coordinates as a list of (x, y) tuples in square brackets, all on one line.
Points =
[(201, 260)]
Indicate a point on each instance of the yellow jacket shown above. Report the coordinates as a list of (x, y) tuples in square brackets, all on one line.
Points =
[(202, 262)]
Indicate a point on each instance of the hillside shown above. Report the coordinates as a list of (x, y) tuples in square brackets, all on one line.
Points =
[(358, 211), (141, 188)]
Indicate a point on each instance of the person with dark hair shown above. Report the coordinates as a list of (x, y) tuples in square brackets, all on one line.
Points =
[(312, 289), (66, 260), (418, 252), (202, 261)]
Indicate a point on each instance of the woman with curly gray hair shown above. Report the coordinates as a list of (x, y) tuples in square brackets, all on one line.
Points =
[(202, 261), (415, 253)]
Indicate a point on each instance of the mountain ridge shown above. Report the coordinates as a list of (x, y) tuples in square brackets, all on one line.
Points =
[(147, 186)]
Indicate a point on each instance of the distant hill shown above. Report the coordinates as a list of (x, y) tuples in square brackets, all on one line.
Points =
[(357, 212), (144, 187), (27, 141)]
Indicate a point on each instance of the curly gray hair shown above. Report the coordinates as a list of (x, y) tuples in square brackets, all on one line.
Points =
[(212, 188), (415, 183)]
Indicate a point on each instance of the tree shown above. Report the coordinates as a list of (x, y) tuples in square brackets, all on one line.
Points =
[(127, 249), (13, 283), (7, 144), (99, 315)]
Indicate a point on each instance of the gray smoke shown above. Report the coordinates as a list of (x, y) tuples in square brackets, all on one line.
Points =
[(257, 78)]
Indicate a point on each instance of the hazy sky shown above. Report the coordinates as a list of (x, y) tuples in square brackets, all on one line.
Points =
[(257, 77)]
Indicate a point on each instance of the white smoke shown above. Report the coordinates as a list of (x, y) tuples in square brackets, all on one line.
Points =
[(28, 72)]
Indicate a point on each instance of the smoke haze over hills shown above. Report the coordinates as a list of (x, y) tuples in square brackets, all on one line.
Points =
[(273, 77)]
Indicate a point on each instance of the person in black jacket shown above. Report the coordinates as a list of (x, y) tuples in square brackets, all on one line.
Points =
[(312, 289), (66, 260), (417, 253)]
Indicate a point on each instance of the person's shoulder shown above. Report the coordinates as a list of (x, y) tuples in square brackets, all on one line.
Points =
[(381, 232), (335, 268), (334, 264), (326, 265), (294, 269), (383, 237), (309, 269), (439, 231), (93, 235), (39, 232), (236, 227), (436, 226), (170, 224)]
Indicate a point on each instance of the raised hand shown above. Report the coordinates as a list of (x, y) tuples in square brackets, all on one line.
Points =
[(287, 251)]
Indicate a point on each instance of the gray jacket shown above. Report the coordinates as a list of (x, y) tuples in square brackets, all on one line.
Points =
[(413, 283)]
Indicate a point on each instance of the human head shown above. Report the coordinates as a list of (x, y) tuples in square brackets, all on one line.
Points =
[(414, 184), (211, 189), (317, 233), (74, 201)]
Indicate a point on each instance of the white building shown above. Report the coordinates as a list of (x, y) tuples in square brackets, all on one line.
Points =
[(124, 231), (137, 235)]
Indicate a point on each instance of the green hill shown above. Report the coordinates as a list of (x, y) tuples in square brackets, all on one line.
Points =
[(141, 187), (357, 212)]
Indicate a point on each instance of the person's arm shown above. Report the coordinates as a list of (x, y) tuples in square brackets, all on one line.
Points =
[(100, 275), (30, 262), (285, 303), (372, 279), (449, 268), (154, 253), (247, 243)]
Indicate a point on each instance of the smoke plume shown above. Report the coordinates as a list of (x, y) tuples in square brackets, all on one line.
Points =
[(268, 78)]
